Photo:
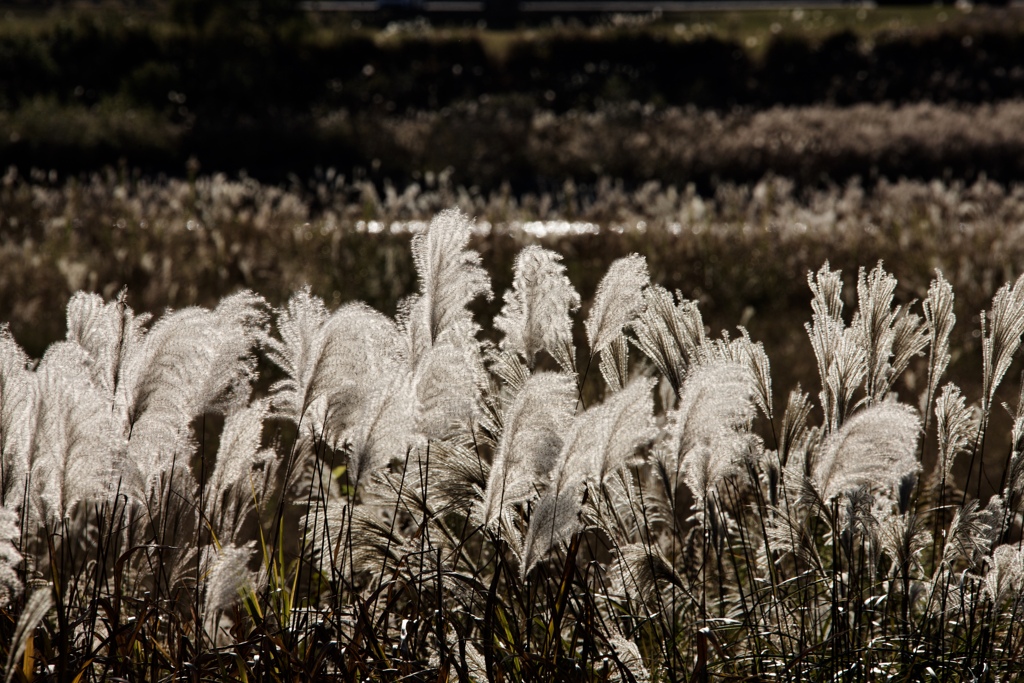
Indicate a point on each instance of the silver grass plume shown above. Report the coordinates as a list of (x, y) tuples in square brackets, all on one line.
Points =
[(617, 302), (299, 324), (910, 338), (968, 536), (794, 422), (708, 432), (191, 362), (240, 321), (362, 348), (17, 387), (10, 558), (377, 545), (787, 532), (939, 318), (36, 608), (555, 518), (748, 353), (194, 361), (827, 287), (954, 424), (448, 384), (669, 332), (359, 344), (230, 484), (385, 428), (903, 537), (841, 359), (1014, 485), (638, 571), (530, 442), (1004, 579), (619, 511), (333, 362), (510, 369), (1001, 338), (535, 316), (75, 444), (994, 515), (889, 337), (614, 363), (876, 447), (627, 655), (624, 423), (845, 375), (600, 441), (109, 332), (227, 574), (324, 524), (450, 276), (873, 321), (456, 477)]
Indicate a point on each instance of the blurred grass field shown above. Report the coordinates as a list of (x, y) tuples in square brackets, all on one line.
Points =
[(179, 154), (186, 153)]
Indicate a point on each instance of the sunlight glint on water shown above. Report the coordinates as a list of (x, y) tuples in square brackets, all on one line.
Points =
[(538, 229)]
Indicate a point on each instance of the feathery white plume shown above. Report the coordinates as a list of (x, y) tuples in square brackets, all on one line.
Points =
[(745, 352), (10, 558), (708, 432), (842, 363), (889, 337), (639, 569), (873, 323), (628, 656), (536, 313), (530, 442), (230, 485), (614, 363), (385, 428), (107, 331), (227, 574), (74, 443), (939, 317), (341, 372), (324, 525), (36, 608), (450, 276), (1005, 576), (194, 361), (16, 417), (191, 362), (600, 441), (358, 346), (954, 424), (239, 443), (794, 422), (617, 302), (1001, 338), (876, 447), (448, 383), (299, 325), (669, 333)]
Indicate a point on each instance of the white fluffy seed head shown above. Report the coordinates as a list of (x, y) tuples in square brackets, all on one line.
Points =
[(876, 447), (617, 302), (536, 315), (531, 440)]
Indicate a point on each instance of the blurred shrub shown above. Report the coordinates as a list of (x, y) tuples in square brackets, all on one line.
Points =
[(258, 53), (493, 141)]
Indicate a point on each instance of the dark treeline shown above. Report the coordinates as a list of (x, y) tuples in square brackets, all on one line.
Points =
[(237, 90)]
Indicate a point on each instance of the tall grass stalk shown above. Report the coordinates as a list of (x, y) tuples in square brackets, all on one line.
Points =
[(407, 501)]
